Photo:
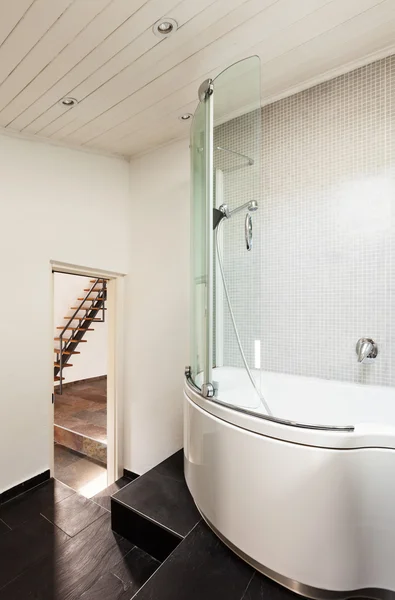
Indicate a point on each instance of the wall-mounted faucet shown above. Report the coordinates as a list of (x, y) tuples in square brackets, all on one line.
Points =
[(366, 349)]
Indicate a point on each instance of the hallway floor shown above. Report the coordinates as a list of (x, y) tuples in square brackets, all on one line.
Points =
[(57, 545), (82, 408), (85, 475)]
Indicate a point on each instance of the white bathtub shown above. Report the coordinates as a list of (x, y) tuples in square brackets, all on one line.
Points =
[(311, 507)]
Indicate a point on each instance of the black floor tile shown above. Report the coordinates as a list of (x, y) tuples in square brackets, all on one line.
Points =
[(141, 531), (172, 466), (164, 499), (26, 545), (32, 503), (73, 569), (125, 579), (104, 497), (108, 587), (261, 587), (73, 514), (200, 568), (136, 568), (4, 528)]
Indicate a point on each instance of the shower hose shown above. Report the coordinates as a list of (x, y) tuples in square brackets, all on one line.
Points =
[(221, 267)]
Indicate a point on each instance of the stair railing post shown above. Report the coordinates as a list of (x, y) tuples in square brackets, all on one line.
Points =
[(104, 298), (61, 363)]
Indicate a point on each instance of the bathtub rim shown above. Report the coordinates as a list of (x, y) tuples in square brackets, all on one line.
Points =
[(336, 437), (194, 388)]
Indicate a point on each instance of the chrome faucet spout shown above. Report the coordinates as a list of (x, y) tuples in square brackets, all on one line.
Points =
[(366, 348), (364, 351)]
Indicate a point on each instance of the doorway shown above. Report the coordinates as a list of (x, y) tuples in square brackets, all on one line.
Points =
[(85, 455)]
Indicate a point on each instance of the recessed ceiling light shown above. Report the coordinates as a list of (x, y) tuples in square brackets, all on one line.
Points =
[(185, 117), (68, 101), (165, 27)]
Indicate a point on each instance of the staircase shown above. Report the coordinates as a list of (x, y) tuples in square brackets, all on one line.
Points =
[(91, 309)]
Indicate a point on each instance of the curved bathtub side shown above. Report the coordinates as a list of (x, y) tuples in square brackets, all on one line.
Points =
[(321, 517)]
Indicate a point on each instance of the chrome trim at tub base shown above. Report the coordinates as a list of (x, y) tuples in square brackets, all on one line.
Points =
[(307, 591)]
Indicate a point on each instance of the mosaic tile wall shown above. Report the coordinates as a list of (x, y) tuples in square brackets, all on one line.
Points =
[(322, 270)]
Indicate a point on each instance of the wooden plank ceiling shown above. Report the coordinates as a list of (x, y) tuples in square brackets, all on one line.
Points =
[(132, 86)]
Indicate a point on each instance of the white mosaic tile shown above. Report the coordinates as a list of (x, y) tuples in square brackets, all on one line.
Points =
[(321, 272)]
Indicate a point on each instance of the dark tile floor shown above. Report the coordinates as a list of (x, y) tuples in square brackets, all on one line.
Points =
[(216, 571), (161, 495), (83, 474), (203, 568), (104, 497), (58, 545), (198, 566), (82, 408)]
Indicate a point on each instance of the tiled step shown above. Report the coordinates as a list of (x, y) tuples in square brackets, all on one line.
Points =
[(80, 443), (156, 511)]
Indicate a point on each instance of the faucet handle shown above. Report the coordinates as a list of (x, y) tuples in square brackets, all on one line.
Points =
[(366, 348)]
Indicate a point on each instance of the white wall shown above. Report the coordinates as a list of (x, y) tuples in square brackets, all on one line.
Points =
[(157, 339), (56, 204), (92, 360)]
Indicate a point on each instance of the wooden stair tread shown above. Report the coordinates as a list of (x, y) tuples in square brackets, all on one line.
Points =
[(75, 329), (83, 319), (93, 280), (87, 308), (63, 366), (57, 350), (58, 378), (70, 340), (93, 290), (90, 299)]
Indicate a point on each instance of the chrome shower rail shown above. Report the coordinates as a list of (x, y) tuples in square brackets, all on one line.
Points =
[(194, 388), (247, 158)]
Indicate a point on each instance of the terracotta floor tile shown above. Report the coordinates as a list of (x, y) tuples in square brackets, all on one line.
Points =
[(82, 408)]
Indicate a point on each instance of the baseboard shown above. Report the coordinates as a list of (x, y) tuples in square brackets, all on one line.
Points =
[(23, 487), (89, 380), (130, 474)]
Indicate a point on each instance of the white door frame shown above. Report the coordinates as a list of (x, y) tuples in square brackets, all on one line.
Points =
[(115, 394)]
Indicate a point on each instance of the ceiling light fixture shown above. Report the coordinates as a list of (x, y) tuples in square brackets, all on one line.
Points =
[(68, 101), (185, 117), (165, 27)]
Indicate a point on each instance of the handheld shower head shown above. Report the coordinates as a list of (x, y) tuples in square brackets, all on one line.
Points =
[(224, 212), (252, 206)]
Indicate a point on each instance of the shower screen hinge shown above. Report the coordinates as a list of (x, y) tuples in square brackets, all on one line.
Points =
[(208, 390), (205, 89)]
